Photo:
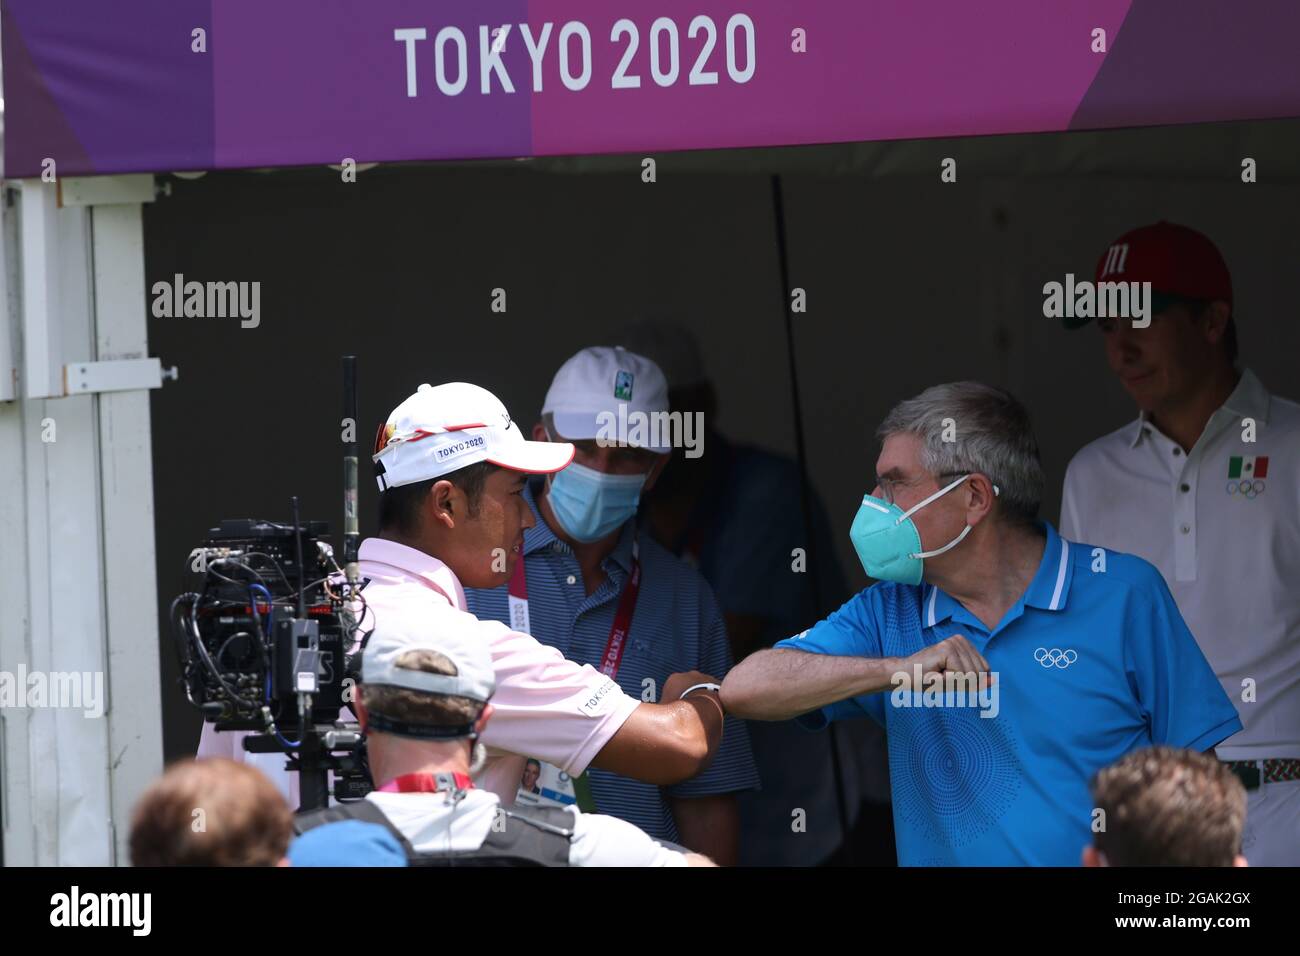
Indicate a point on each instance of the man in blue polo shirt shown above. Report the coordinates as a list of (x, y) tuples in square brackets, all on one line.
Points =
[(1006, 664), (600, 593)]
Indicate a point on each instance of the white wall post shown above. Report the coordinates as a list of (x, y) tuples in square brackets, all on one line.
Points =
[(77, 576)]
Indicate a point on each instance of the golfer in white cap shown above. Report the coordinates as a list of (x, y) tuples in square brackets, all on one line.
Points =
[(451, 466), (451, 469), (593, 588)]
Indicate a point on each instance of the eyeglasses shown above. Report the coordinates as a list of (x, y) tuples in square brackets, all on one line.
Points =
[(888, 485)]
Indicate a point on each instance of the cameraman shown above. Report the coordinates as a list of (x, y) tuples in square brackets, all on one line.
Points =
[(423, 706), (451, 468)]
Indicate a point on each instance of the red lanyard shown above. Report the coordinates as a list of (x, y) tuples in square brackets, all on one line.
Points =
[(618, 631), (428, 783)]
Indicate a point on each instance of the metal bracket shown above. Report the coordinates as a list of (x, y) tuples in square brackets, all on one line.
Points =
[(122, 375), (106, 190)]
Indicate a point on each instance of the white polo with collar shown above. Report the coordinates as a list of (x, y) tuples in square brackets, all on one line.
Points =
[(1222, 524)]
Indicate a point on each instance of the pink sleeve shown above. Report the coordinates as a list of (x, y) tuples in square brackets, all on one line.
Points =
[(213, 744), (548, 707), (230, 744)]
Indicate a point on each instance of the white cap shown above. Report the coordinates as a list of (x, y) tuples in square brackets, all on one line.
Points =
[(475, 677), (600, 382), (438, 430)]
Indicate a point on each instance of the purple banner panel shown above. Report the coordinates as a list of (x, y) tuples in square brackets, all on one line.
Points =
[(161, 85)]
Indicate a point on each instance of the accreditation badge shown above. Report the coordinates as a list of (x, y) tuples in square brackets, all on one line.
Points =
[(546, 785)]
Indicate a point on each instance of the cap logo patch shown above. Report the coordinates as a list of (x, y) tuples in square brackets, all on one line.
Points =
[(1115, 257), (598, 701), (623, 385), (447, 452)]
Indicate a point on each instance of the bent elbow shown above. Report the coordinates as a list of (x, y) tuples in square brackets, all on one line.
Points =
[(684, 751), (688, 755), (697, 752)]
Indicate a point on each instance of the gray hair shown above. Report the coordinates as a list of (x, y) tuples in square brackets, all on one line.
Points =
[(987, 431)]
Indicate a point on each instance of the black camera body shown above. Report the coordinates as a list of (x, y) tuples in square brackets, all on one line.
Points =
[(270, 643), (245, 615)]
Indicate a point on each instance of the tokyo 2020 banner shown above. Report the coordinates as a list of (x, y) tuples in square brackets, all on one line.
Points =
[(105, 86)]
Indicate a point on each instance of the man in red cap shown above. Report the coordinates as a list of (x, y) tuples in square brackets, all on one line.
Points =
[(1203, 485)]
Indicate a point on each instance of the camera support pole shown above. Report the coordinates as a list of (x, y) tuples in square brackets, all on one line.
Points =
[(350, 532)]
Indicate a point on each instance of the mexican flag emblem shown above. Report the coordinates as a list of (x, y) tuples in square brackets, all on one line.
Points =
[(1248, 466)]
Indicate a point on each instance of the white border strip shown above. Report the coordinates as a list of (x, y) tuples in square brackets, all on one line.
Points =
[(1060, 576)]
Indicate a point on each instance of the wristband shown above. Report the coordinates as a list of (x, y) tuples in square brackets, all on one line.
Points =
[(713, 687)]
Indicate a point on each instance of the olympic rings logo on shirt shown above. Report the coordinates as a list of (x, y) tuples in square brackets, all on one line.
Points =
[(1246, 488), (1056, 657)]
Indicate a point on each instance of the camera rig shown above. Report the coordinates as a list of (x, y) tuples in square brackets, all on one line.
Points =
[(270, 637)]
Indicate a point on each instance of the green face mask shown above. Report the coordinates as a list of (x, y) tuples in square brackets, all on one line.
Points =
[(887, 541)]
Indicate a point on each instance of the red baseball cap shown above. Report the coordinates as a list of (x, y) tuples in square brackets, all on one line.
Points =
[(1180, 263), (1176, 260)]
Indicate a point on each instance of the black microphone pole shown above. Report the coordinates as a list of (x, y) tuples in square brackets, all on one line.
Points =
[(351, 535)]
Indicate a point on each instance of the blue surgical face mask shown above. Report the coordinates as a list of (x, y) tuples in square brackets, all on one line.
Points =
[(888, 542), (591, 504)]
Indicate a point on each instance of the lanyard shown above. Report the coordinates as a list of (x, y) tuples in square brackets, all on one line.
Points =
[(517, 598), (428, 783)]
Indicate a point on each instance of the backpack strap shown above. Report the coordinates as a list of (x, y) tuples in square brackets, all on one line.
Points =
[(543, 834), (363, 810), (541, 837)]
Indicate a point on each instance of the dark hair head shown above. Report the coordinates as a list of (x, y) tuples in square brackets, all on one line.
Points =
[(1163, 806), (210, 812), (399, 508)]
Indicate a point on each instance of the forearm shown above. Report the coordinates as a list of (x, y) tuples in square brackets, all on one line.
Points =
[(665, 743), (781, 683), (709, 825)]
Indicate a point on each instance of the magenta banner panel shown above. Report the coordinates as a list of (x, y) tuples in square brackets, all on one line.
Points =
[(161, 85)]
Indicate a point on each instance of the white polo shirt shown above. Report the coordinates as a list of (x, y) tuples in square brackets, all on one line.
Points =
[(1222, 523), (545, 706), (431, 823)]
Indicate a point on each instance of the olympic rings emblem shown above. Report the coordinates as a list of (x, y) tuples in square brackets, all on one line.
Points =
[(1056, 657), (1246, 488)]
